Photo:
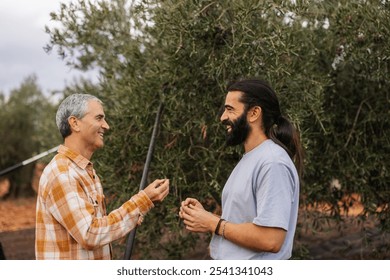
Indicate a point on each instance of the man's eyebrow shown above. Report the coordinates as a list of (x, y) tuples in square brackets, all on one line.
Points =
[(228, 106)]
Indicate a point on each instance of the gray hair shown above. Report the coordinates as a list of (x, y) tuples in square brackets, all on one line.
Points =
[(74, 105)]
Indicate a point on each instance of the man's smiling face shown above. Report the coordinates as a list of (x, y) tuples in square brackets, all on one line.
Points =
[(234, 118), (93, 126)]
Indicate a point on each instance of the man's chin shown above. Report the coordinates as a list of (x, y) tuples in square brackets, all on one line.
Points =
[(231, 142), (99, 145)]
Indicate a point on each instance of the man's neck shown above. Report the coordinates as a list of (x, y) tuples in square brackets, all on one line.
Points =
[(75, 146), (253, 141)]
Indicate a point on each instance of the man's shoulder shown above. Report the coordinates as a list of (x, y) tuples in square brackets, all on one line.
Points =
[(264, 152), (59, 164), (54, 174), (268, 155)]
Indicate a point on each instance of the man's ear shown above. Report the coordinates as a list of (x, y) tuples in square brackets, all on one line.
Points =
[(74, 123), (254, 114)]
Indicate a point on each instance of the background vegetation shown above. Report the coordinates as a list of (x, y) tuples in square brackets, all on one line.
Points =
[(327, 60), (27, 125)]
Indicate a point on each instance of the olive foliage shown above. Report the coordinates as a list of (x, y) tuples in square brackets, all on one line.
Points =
[(327, 60), (27, 127)]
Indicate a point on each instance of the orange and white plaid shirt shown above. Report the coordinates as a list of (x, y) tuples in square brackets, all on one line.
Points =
[(71, 219)]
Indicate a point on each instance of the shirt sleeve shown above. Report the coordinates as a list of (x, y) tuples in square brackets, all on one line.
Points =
[(83, 217), (274, 196)]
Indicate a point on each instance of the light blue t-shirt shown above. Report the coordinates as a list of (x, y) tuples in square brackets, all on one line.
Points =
[(263, 189)]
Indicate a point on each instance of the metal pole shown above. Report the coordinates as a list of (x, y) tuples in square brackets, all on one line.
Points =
[(131, 237), (27, 161)]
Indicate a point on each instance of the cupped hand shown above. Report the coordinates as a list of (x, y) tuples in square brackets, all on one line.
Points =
[(157, 190), (194, 202), (195, 217)]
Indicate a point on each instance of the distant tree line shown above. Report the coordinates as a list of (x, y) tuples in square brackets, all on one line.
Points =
[(27, 128)]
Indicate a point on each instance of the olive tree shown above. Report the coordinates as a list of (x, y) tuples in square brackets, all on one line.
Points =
[(327, 60), (27, 125)]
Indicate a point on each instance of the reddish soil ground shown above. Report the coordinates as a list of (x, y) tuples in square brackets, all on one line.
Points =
[(350, 239), (17, 232), (17, 214)]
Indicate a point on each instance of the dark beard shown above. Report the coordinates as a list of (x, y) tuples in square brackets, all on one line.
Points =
[(239, 130)]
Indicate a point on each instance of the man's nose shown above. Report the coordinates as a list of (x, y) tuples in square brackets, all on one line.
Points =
[(223, 117), (105, 125)]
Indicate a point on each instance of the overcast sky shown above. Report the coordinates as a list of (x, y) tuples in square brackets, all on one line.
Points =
[(22, 38)]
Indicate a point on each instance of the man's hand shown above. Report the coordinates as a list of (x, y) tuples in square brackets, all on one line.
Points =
[(196, 218), (157, 190), (193, 202)]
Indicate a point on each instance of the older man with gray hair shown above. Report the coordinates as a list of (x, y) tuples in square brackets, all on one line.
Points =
[(71, 218)]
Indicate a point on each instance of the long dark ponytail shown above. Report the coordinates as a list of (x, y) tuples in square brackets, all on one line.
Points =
[(276, 126)]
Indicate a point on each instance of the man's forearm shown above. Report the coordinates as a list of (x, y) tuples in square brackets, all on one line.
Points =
[(251, 236)]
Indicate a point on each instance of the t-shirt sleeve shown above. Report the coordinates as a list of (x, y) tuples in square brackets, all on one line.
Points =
[(274, 195)]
